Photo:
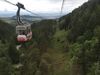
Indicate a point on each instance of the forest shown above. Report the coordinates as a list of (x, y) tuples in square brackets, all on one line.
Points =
[(70, 46)]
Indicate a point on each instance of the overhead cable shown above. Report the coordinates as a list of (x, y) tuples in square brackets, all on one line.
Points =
[(23, 9)]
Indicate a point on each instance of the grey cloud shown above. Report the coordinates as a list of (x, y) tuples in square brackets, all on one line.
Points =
[(55, 1)]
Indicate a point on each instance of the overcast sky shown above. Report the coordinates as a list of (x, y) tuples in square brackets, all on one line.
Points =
[(44, 6)]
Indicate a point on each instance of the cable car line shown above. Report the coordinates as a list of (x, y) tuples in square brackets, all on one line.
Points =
[(32, 12), (9, 2), (62, 6), (60, 13), (24, 9)]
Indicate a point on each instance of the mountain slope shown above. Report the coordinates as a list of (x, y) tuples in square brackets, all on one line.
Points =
[(71, 47), (83, 38), (82, 20), (6, 30), (68, 48)]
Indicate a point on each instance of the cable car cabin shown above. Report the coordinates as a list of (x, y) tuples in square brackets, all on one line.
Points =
[(24, 33)]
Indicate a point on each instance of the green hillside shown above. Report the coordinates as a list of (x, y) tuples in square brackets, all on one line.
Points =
[(68, 47), (83, 38), (6, 31), (6, 37)]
